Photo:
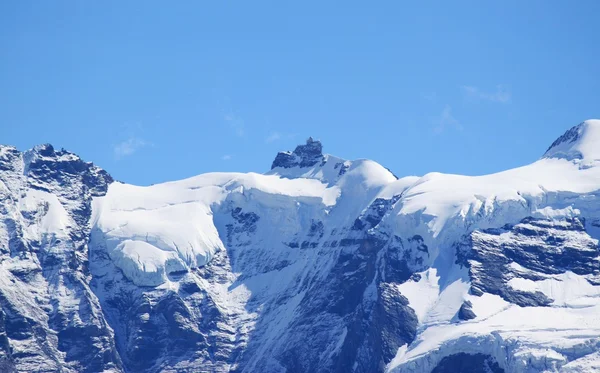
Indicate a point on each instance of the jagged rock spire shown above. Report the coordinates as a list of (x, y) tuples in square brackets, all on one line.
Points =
[(306, 155)]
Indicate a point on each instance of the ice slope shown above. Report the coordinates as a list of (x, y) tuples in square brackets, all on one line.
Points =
[(167, 228)]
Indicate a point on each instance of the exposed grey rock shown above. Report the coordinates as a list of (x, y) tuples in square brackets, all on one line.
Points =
[(541, 247), (306, 155)]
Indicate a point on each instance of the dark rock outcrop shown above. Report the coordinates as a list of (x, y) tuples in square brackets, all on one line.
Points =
[(532, 249), (306, 155)]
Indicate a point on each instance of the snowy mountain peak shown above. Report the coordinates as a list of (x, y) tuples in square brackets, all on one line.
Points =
[(44, 150), (45, 168), (581, 142), (308, 161)]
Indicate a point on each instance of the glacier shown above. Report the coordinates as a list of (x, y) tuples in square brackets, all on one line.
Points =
[(321, 264)]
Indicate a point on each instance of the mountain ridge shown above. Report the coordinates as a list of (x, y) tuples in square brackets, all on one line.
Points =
[(321, 264)]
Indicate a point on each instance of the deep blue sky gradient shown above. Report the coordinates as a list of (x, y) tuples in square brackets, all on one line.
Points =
[(155, 91)]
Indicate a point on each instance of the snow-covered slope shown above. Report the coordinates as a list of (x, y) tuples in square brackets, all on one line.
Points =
[(578, 143), (321, 264)]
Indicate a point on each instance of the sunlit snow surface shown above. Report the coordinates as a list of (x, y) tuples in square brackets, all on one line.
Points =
[(152, 232)]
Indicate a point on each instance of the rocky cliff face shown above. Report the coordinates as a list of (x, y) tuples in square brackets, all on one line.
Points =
[(320, 265), (50, 318), (307, 155)]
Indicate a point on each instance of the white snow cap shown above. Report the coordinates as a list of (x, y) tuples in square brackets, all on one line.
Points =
[(580, 142)]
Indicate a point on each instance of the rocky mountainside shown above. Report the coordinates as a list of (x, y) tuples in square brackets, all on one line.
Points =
[(320, 265)]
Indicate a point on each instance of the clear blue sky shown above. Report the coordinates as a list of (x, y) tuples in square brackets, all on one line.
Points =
[(157, 91)]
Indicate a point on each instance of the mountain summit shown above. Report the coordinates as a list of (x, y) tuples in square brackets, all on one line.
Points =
[(320, 265), (580, 142), (308, 161), (303, 156)]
